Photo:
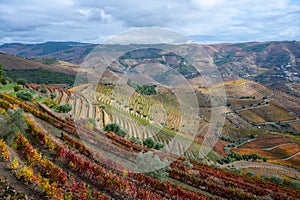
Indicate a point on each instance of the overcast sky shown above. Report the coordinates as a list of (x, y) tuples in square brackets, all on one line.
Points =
[(205, 21)]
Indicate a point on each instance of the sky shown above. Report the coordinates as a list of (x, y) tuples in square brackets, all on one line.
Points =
[(204, 21)]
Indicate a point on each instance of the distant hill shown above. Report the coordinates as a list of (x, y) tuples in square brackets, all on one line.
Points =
[(67, 51), (59, 72), (274, 64)]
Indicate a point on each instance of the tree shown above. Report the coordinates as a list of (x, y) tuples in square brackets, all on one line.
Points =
[(21, 81), (64, 108), (53, 95), (17, 88), (24, 95), (2, 75), (113, 127), (152, 165), (276, 179), (44, 90), (11, 124)]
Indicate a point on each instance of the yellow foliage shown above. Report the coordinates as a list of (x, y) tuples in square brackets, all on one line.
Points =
[(4, 152), (15, 164)]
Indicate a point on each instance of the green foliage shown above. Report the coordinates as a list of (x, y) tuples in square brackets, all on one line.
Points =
[(24, 95), (21, 81), (149, 142), (187, 163), (50, 103), (44, 90), (276, 179), (295, 184), (232, 156), (250, 174), (113, 127), (142, 89), (136, 140), (92, 121), (152, 166), (41, 76), (64, 108), (2, 75), (11, 124), (17, 88), (265, 159), (53, 95)]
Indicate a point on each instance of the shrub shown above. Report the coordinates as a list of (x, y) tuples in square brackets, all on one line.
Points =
[(113, 127), (265, 159), (24, 95), (295, 184), (136, 140), (44, 90), (187, 163), (21, 81), (276, 179), (149, 142), (53, 95), (64, 108), (12, 124), (17, 88), (158, 145), (250, 174), (152, 165)]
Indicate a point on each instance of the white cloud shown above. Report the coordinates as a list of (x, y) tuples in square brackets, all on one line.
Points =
[(208, 21)]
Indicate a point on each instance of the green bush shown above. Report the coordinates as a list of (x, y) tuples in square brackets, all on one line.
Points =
[(21, 81), (12, 124), (295, 184), (276, 179), (113, 127), (53, 96), (136, 140), (17, 88), (187, 163), (44, 90), (149, 142), (24, 95), (64, 108)]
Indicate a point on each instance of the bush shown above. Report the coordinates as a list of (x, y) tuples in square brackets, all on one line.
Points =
[(152, 166), (65, 108), (276, 179), (44, 90), (17, 88), (21, 81), (295, 184), (24, 95), (136, 140), (265, 159), (53, 96), (187, 163), (250, 174), (12, 124), (113, 127), (149, 142)]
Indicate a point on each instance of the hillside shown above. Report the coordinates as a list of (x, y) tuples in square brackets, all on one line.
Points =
[(136, 131), (67, 51), (54, 72), (274, 64), (56, 157)]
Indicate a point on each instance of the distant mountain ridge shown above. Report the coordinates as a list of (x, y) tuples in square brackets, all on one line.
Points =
[(67, 51), (275, 64)]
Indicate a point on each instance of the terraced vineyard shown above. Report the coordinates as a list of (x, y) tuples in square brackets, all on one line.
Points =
[(278, 149)]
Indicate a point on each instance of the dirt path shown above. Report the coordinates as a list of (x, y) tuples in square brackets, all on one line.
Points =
[(264, 165)]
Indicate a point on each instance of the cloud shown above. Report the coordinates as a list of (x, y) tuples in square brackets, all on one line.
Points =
[(94, 21)]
